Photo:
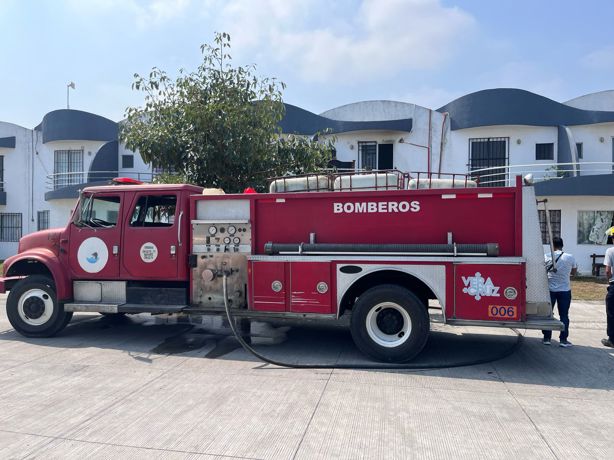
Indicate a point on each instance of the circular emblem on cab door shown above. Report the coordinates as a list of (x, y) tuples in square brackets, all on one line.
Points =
[(149, 253), (92, 255)]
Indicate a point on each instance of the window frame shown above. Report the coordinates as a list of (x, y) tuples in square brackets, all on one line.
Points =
[(42, 217), (545, 146), (555, 222), (18, 228)]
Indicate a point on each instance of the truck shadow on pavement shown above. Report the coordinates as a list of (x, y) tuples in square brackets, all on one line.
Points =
[(145, 338)]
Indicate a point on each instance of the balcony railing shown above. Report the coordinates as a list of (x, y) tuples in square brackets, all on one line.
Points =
[(60, 180), (506, 175)]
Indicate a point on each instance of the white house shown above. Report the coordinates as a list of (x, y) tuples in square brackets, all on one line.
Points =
[(42, 170)]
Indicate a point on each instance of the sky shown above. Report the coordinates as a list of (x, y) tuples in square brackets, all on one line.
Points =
[(328, 52)]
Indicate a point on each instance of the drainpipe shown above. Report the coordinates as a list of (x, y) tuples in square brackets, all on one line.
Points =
[(443, 127)]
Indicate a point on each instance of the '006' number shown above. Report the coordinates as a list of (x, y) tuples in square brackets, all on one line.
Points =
[(497, 311)]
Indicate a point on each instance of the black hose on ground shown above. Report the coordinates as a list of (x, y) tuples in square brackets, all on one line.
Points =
[(249, 349)]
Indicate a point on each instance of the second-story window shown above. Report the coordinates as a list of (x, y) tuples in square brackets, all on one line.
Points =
[(580, 150), (67, 168), (1, 173), (368, 154), (544, 151)]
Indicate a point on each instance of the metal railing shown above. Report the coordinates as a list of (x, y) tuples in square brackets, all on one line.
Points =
[(60, 180), (506, 175)]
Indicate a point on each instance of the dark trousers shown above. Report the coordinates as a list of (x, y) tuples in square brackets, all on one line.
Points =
[(562, 300), (609, 311)]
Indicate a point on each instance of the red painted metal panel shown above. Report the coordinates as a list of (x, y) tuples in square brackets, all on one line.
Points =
[(262, 275), (407, 216), (90, 253), (146, 251), (489, 292), (304, 279)]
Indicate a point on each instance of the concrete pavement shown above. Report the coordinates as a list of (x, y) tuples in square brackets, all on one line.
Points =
[(140, 388)]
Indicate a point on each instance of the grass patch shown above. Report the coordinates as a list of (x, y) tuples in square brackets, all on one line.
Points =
[(588, 288)]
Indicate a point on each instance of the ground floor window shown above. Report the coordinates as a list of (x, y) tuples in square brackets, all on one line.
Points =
[(42, 220), (555, 223), (592, 226), (10, 226)]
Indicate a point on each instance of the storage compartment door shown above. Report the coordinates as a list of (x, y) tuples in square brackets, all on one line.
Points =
[(267, 286), (310, 287), (489, 292)]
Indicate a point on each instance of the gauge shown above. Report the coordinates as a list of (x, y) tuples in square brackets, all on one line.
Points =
[(236, 240), (232, 230), (227, 240), (212, 230)]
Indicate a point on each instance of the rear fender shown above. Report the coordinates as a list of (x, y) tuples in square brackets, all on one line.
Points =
[(40, 262)]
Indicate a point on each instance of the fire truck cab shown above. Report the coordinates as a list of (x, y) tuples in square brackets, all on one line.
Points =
[(320, 246)]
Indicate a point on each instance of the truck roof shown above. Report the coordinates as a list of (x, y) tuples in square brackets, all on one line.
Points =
[(148, 187)]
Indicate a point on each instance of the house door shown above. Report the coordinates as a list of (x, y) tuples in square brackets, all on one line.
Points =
[(384, 156), (489, 153)]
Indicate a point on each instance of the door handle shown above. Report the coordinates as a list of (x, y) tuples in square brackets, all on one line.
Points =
[(64, 240), (179, 228), (115, 250)]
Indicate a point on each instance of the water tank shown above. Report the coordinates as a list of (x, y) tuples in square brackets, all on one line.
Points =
[(363, 182), (460, 182), (312, 183)]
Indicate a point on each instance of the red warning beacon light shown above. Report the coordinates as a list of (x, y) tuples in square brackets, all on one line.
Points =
[(125, 181)]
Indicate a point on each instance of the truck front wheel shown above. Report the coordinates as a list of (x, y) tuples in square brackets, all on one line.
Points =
[(390, 324), (33, 310)]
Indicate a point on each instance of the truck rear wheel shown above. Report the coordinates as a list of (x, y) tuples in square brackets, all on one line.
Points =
[(33, 310), (390, 324)]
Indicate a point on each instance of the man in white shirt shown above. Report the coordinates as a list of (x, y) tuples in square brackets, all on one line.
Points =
[(560, 288), (608, 261)]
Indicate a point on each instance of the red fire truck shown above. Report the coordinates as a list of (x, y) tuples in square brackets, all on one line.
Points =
[(378, 245)]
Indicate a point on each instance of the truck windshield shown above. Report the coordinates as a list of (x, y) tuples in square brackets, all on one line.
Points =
[(97, 211)]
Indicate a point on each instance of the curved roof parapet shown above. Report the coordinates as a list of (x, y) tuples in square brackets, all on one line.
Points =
[(510, 106), (301, 121), (372, 111), (590, 185), (68, 124), (105, 164), (601, 100)]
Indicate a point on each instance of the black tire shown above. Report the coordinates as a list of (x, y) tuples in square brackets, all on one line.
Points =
[(33, 309), (390, 324)]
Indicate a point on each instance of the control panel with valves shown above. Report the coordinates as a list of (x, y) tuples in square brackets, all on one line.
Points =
[(216, 236), (218, 248)]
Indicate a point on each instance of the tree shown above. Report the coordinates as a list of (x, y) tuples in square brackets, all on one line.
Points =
[(217, 126)]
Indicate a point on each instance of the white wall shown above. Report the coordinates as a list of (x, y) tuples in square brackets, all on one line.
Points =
[(521, 145), (569, 207), (410, 155)]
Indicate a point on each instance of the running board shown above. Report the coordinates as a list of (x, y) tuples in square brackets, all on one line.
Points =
[(122, 308), (545, 324)]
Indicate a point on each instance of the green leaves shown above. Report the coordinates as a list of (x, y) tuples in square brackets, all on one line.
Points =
[(217, 126)]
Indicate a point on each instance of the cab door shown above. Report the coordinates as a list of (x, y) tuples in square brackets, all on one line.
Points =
[(151, 236), (95, 237)]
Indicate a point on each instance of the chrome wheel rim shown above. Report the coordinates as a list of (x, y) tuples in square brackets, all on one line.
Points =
[(35, 307), (388, 324)]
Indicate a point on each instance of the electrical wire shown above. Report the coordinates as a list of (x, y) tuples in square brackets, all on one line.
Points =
[(416, 367)]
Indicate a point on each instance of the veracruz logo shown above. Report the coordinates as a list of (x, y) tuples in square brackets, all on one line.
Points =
[(479, 287), (363, 207)]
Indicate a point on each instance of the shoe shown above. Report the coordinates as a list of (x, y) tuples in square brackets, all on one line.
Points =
[(546, 342), (565, 344), (607, 343)]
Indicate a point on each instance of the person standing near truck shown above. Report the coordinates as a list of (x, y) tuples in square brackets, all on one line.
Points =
[(559, 284), (608, 261)]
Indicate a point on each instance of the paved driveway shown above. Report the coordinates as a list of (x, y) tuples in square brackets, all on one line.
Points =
[(141, 388)]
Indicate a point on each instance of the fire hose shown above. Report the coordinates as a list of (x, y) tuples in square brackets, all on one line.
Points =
[(509, 351)]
